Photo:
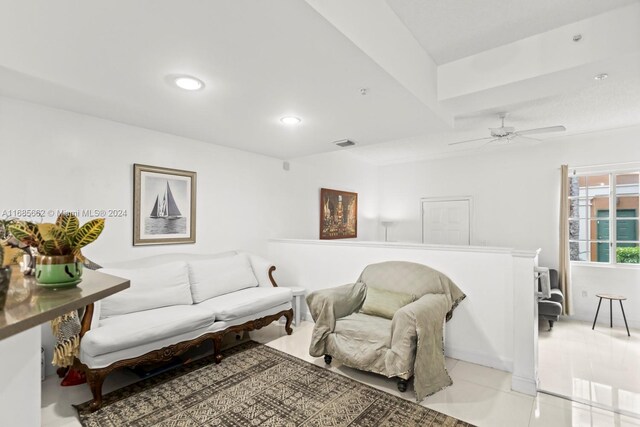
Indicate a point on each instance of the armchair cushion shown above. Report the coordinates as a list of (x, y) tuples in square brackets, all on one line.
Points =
[(359, 328), (383, 303)]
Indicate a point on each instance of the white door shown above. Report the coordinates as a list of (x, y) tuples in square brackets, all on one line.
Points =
[(446, 222)]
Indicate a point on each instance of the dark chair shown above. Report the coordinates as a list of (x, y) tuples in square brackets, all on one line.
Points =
[(551, 308)]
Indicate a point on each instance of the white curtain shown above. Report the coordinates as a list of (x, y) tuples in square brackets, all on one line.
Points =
[(564, 268)]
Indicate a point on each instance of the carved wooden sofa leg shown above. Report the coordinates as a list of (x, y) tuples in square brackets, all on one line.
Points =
[(61, 372), (95, 379), (402, 385), (217, 347), (289, 316)]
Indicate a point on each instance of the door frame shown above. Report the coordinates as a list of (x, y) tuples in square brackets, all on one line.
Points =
[(468, 199)]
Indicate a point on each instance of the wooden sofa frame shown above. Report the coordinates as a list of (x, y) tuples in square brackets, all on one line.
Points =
[(96, 377)]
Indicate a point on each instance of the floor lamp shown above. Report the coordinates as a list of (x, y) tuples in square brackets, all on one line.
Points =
[(386, 225)]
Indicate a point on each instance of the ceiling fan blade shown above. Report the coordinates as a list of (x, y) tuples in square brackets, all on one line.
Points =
[(541, 130), (527, 137), (470, 140)]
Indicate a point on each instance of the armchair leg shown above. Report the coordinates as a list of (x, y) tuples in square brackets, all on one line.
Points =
[(550, 325), (402, 385), (327, 359)]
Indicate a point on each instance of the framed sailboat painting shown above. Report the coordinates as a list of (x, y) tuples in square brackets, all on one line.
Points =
[(164, 206)]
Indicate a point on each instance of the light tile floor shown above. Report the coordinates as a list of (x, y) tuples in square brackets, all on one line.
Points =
[(600, 367), (479, 395)]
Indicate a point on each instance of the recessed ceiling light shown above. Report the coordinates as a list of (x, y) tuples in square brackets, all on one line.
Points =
[(188, 83), (290, 120), (601, 76)]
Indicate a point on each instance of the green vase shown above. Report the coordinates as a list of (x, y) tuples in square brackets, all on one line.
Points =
[(5, 279), (58, 271)]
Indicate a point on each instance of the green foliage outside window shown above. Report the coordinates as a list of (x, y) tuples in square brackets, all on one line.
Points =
[(628, 255)]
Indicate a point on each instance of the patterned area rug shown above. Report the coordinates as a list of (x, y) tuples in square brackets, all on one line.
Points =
[(256, 385)]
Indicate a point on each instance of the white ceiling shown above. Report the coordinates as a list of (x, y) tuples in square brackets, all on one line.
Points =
[(607, 104), (262, 60), (452, 29)]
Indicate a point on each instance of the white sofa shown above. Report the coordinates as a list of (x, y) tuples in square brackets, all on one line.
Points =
[(177, 301)]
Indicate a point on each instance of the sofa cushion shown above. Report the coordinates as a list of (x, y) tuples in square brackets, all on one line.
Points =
[(153, 287), (245, 302), (383, 303), (214, 277), (134, 329)]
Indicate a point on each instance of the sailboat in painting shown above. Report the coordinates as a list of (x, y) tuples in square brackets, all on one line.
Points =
[(165, 206)]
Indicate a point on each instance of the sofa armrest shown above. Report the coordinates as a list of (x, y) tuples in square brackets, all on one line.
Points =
[(556, 296), (263, 269), (90, 317)]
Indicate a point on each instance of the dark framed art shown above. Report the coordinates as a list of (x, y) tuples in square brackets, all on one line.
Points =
[(164, 205), (338, 214)]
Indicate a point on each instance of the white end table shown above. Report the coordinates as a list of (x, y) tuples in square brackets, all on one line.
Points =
[(298, 295)]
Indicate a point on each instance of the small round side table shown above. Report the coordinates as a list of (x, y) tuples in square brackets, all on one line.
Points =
[(611, 298)]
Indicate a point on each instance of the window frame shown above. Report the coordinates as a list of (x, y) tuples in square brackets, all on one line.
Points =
[(612, 172)]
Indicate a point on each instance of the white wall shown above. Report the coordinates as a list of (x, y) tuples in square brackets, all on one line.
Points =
[(62, 160), (54, 159), (484, 327), (82, 162), (340, 171), (606, 280), (516, 195)]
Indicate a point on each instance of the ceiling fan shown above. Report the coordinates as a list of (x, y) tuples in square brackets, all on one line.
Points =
[(508, 133)]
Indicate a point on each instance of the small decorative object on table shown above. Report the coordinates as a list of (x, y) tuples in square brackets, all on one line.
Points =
[(58, 264), (13, 248)]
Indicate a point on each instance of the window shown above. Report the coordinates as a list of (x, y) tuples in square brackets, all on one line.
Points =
[(603, 217)]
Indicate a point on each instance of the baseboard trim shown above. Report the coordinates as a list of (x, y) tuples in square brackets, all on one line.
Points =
[(479, 358), (460, 354), (524, 385), (603, 318)]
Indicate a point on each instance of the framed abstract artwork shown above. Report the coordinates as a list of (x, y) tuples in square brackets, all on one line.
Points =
[(338, 214), (164, 205)]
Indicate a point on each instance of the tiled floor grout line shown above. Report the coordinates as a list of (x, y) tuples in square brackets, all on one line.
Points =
[(592, 404)]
